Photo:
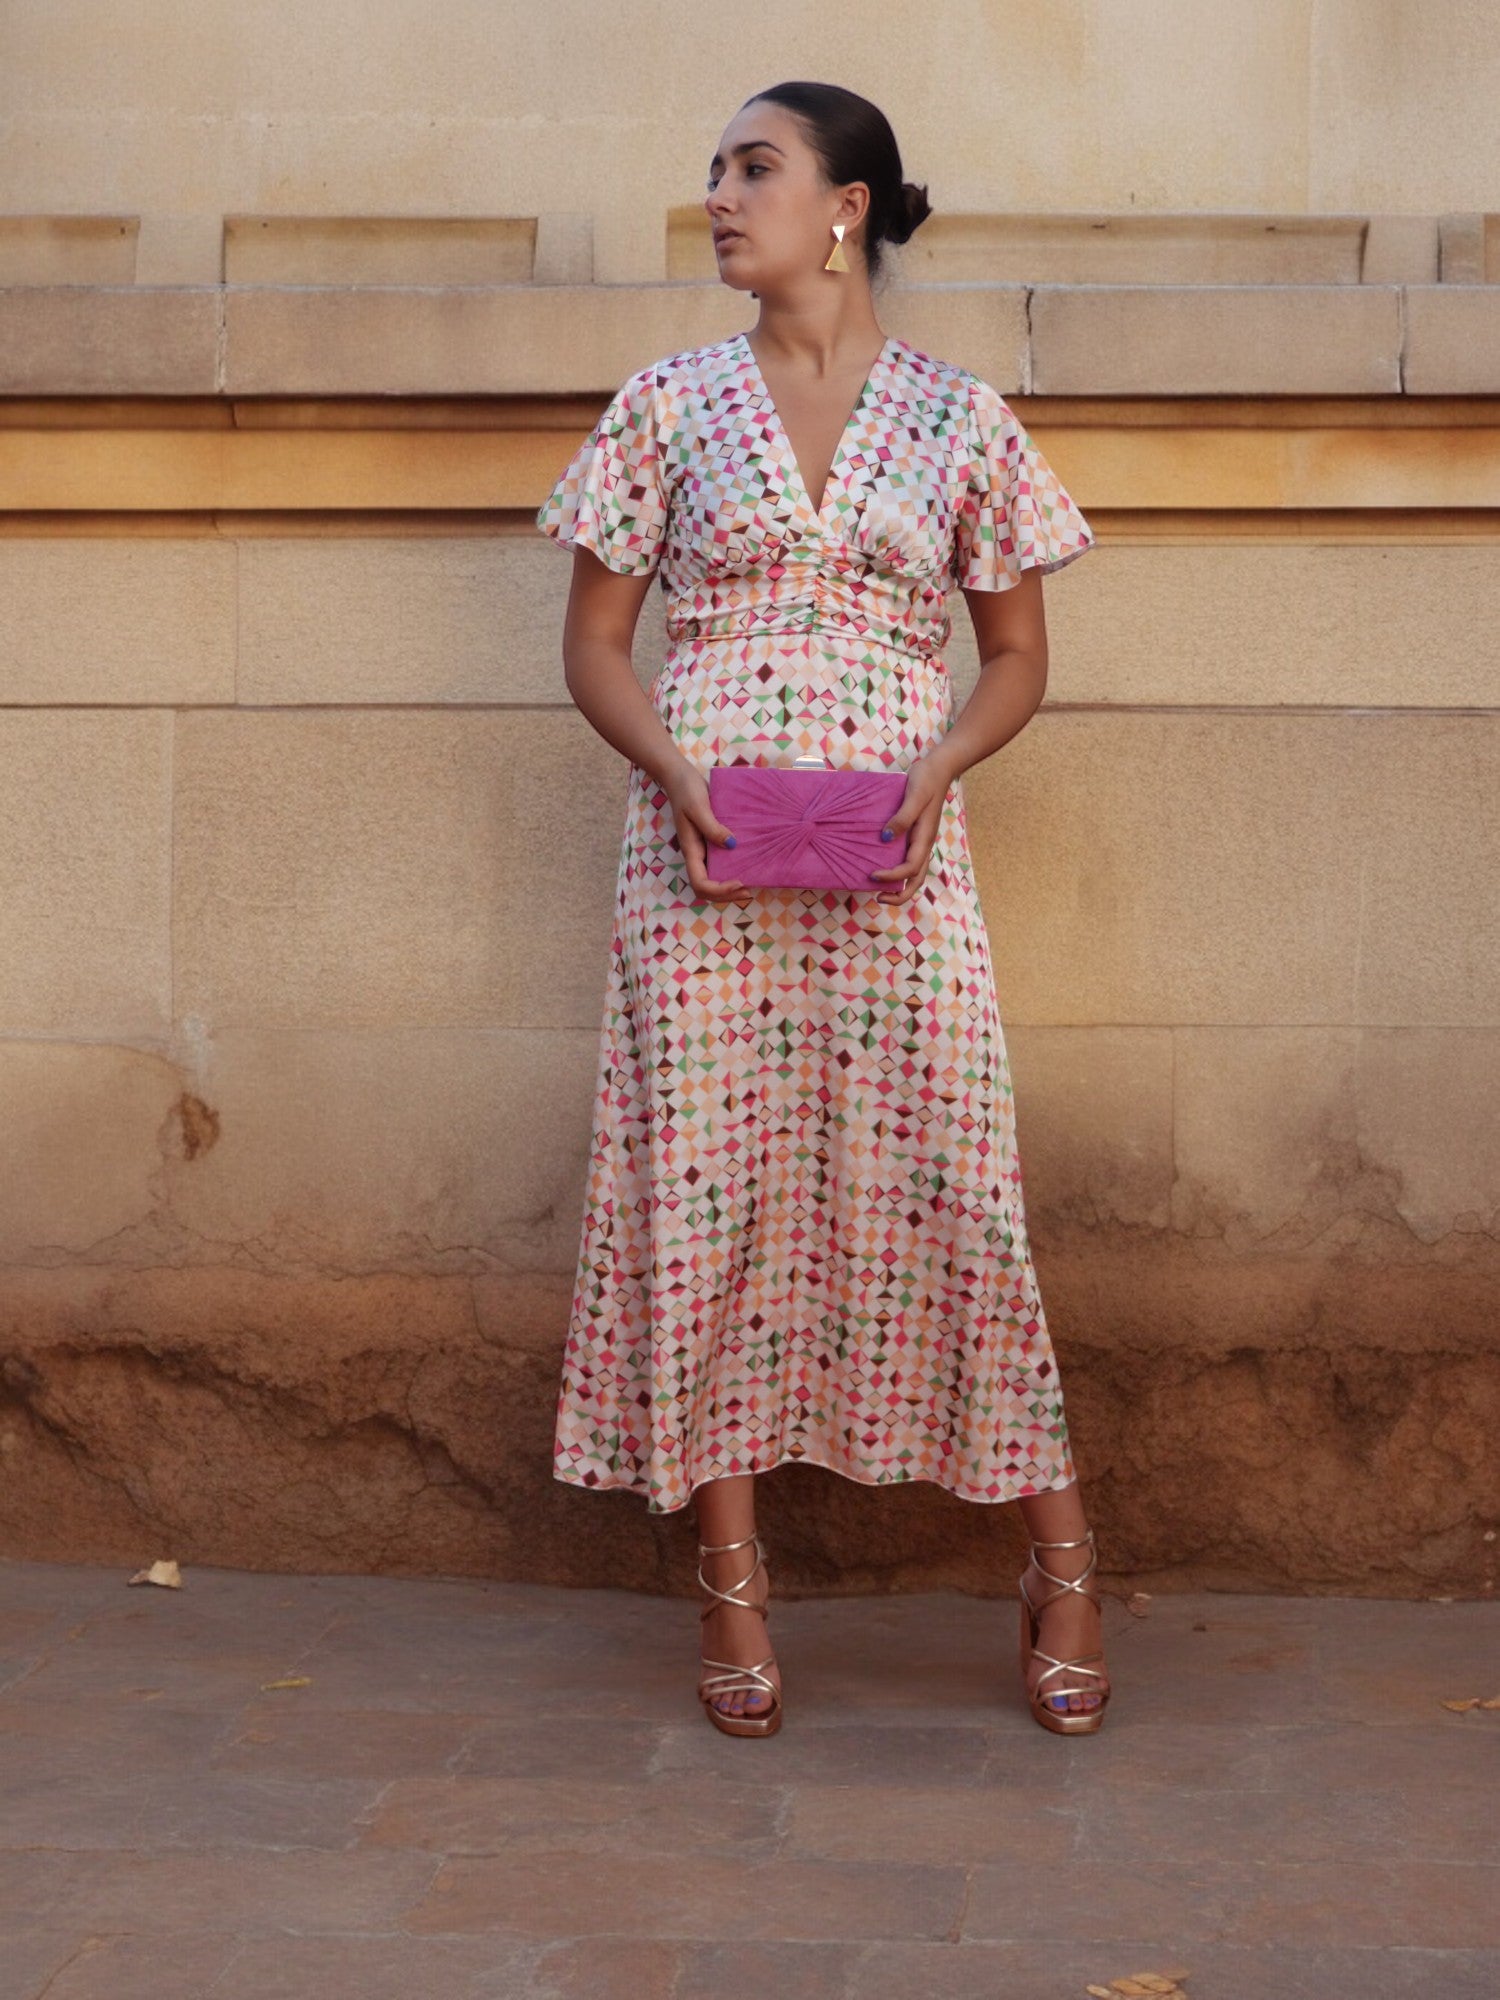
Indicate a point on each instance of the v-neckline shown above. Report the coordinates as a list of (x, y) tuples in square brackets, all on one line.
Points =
[(784, 436)]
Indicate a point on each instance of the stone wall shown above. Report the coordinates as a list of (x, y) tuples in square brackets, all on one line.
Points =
[(295, 1081)]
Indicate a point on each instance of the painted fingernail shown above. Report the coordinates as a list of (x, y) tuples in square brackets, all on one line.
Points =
[(886, 833), (729, 841)]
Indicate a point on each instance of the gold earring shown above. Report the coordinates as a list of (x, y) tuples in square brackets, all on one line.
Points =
[(837, 261)]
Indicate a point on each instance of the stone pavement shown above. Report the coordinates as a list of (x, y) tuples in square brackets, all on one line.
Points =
[(482, 1789)]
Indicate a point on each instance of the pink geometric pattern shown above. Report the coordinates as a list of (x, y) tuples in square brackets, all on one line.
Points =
[(804, 1235)]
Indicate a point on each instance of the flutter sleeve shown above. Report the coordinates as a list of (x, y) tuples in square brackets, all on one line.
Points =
[(610, 497), (1015, 513)]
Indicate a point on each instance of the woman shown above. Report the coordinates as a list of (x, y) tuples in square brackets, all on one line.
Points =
[(804, 1234)]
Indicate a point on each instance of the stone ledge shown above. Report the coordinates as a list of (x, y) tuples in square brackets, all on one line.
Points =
[(530, 339), (1067, 247), (313, 464)]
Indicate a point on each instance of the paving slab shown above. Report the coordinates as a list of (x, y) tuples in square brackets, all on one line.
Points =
[(477, 1791)]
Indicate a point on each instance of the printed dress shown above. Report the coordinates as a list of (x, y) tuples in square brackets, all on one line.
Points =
[(804, 1236)]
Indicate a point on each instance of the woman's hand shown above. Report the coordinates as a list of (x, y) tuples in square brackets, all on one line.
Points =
[(920, 812), (687, 790)]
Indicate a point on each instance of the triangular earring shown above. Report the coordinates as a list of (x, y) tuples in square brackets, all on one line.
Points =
[(837, 261)]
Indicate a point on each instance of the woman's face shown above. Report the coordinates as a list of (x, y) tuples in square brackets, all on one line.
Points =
[(765, 186)]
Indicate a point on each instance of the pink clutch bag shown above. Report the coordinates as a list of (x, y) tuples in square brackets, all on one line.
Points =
[(807, 825)]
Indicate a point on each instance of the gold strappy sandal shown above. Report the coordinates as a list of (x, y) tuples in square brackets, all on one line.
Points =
[(731, 1678), (1066, 1721)]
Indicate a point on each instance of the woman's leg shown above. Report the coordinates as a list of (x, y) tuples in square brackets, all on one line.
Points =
[(1069, 1627), (726, 1513)]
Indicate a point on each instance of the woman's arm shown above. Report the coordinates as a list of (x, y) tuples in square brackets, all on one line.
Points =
[(598, 635), (1010, 627)]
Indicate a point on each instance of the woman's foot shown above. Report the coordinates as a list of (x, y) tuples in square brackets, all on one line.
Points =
[(735, 1634), (1069, 1627)]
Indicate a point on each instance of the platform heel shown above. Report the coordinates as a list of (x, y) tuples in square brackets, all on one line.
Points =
[(1066, 1721), (730, 1677)]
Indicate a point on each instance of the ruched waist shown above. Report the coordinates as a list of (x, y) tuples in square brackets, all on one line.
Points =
[(799, 623)]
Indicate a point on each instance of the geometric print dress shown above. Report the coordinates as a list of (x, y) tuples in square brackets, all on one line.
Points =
[(804, 1236)]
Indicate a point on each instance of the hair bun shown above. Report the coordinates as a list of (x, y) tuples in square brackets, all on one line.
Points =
[(913, 209)]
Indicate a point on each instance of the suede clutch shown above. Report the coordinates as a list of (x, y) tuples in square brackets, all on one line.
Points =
[(807, 825)]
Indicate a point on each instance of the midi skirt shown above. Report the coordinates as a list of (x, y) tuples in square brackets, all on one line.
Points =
[(804, 1236)]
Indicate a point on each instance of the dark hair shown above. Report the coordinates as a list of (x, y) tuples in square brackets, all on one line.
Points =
[(854, 142)]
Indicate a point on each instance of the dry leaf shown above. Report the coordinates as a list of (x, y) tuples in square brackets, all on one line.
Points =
[(1142, 1985), (1472, 1701), (293, 1681), (165, 1573), (1493, 1702)]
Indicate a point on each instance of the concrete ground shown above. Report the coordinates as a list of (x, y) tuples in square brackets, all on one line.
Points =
[(473, 1789)]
